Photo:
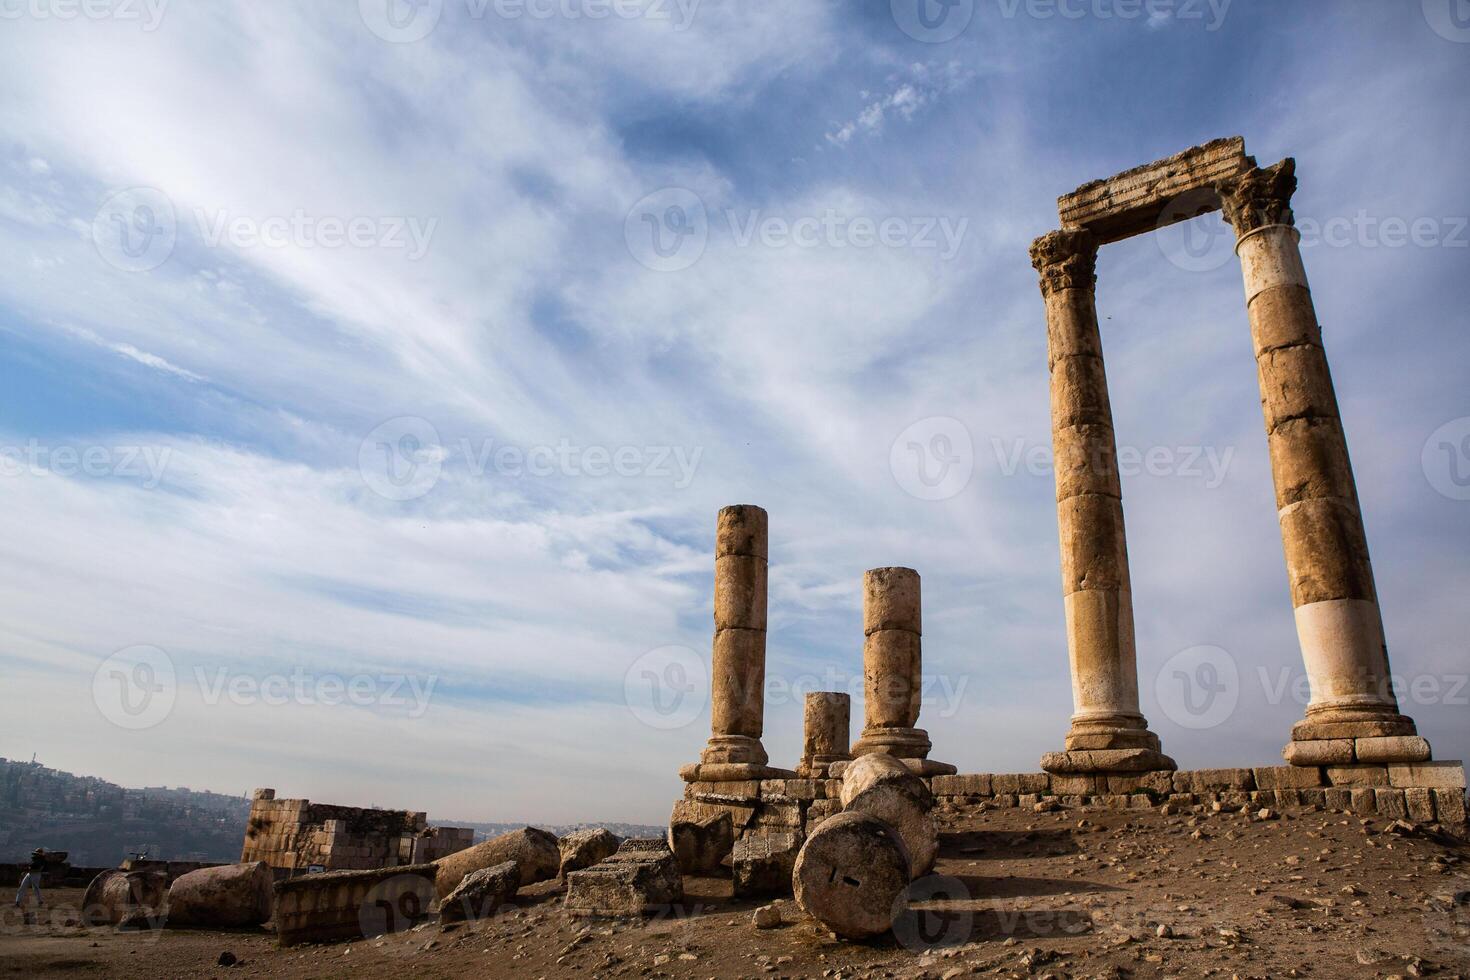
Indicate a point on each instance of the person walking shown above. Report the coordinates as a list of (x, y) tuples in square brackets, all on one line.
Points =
[(32, 879)]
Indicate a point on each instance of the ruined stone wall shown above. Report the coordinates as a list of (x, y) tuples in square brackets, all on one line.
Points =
[(294, 835)]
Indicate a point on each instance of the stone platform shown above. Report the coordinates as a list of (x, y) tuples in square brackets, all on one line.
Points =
[(1430, 792)]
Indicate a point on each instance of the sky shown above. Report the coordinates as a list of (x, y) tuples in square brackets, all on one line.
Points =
[(373, 373)]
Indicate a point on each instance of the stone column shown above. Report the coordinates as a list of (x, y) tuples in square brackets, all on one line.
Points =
[(892, 671), (1353, 715), (738, 669), (1108, 732), (826, 726)]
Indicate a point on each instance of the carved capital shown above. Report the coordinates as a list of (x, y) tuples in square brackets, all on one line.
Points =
[(1259, 197), (1066, 260)]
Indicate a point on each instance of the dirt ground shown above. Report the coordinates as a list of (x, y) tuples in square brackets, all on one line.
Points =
[(1094, 893)]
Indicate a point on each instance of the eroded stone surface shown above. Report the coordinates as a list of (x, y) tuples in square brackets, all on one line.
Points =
[(851, 874)]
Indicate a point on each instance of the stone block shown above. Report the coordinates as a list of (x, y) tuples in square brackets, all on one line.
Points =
[(1077, 785), (891, 600), (1214, 780), (762, 863), (1449, 807), (535, 852), (777, 816), (1402, 749), (782, 790), (481, 894), (1139, 801), (1338, 799), (1433, 775), (1320, 752), (1420, 804), (1287, 777), (230, 896), (1313, 797), (1357, 776), (700, 846), (1364, 801), (629, 884), (1390, 803), (356, 904)]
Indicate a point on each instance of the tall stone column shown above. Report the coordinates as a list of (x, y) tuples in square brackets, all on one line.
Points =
[(893, 671), (1108, 732), (1353, 715), (827, 723), (738, 669)]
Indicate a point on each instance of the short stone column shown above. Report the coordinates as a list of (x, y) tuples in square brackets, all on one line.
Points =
[(1353, 715), (893, 671), (1108, 732), (738, 668), (826, 728)]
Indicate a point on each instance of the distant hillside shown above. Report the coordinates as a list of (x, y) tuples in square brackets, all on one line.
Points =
[(100, 823)]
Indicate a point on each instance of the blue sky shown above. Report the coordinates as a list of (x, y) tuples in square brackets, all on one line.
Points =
[(337, 354)]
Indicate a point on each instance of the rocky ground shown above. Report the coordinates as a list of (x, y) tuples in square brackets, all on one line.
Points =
[(1096, 893)]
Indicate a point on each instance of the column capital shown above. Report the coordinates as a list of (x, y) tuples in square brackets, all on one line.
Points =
[(1259, 197), (1066, 259)]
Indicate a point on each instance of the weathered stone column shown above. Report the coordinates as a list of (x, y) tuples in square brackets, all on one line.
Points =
[(893, 671), (827, 723), (738, 670), (1108, 733), (1353, 714)]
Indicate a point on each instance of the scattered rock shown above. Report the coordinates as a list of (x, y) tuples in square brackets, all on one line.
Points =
[(481, 894), (767, 917), (584, 848)]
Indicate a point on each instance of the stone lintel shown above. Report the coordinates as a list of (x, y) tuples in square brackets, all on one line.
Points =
[(1156, 194)]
